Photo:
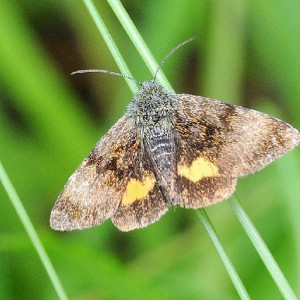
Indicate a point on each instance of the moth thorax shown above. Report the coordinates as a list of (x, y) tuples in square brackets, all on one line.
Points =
[(151, 104)]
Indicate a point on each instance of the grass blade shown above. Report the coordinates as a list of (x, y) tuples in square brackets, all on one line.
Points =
[(263, 251), (16, 202), (110, 44), (202, 215), (227, 263), (138, 41)]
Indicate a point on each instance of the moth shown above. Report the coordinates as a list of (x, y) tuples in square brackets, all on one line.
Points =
[(168, 150)]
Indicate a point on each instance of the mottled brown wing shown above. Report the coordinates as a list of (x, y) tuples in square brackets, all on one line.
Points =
[(94, 192), (218, 142), (113, 181)]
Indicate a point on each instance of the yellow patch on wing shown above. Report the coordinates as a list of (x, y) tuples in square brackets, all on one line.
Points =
[(199, 169), (137, 190)]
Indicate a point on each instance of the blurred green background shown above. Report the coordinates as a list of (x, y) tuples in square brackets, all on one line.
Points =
[(246, 52)]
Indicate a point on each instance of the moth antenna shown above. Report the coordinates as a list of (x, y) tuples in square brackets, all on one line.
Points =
[(106, 72), (170, 53)]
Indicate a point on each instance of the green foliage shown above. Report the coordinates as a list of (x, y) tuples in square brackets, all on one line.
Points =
[(246, 52)]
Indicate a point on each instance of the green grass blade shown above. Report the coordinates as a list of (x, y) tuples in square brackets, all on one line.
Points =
[(228, 265), (138, 41), (110, 44), (16, 202), (233, 274), (263, 251)]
